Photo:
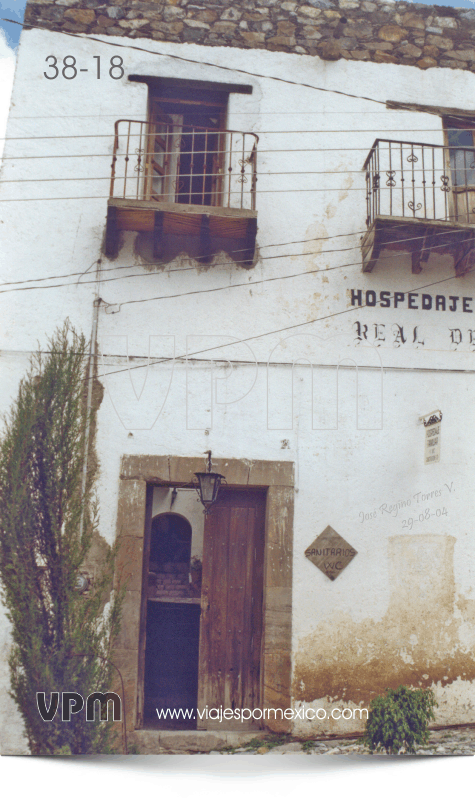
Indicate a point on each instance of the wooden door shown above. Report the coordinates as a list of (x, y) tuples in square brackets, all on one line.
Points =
[(460, 160), (231, 606), (163, 155)]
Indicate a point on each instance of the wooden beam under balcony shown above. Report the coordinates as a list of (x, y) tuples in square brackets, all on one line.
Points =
[(419, 237), (207, 223)]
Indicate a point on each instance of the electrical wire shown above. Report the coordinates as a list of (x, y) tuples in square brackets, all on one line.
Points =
[(387, 111), (400, 241), (259, 281), (268, 333), (208, 290), (252, 74), (219, 264), (233, 192), (273, 132), (106, 197), (268, 133), (89, 38), (183, 269), (260, 151), (232, 175)]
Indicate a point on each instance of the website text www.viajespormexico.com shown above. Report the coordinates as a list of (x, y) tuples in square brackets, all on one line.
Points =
[(221, 714)]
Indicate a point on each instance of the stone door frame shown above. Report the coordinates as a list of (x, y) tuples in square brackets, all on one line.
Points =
[(139, 474)]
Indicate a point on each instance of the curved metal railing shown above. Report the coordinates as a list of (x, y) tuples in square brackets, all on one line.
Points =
[(164, 162), (417, 179)]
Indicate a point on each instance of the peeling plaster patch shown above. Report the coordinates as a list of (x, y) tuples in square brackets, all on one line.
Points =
[(455, 700), (314, 306), (347, 183), (320, 233), (418, 642), (315, 241), (406, 658)]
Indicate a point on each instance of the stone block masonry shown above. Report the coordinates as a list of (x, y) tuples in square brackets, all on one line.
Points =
[(380, 31)]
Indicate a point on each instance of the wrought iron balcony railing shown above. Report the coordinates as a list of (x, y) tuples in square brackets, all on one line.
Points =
[(167, 163), (419, 180)]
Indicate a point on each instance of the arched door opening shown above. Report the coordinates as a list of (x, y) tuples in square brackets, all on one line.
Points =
[(173, 625)]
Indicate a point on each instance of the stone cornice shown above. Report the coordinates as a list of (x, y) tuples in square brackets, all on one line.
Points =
[(362, 30)]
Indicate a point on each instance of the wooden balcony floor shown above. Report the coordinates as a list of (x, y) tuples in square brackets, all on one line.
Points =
[(419, 237), (206, 223)]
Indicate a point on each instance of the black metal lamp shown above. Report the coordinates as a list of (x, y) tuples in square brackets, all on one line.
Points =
[(208, 485)]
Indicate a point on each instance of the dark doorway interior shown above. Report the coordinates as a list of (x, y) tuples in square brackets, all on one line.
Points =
[(171, 662), (195, 117), (173, 625)]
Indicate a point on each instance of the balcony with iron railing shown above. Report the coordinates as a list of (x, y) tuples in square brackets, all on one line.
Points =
[(186, 182), (420, 199)]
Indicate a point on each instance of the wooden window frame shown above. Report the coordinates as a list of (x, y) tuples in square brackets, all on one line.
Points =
[(160, 99), (462, 191)]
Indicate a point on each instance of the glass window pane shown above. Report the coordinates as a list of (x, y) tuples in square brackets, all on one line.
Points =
[(462, 162)]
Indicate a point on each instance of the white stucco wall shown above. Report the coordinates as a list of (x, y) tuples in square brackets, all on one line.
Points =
[(344, 475)]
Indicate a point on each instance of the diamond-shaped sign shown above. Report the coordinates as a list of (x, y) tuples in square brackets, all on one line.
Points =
[(330, 552)]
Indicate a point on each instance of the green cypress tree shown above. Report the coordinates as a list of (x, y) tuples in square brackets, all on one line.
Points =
[(48, 522)]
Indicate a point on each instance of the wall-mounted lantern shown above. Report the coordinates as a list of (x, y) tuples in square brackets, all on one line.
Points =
[(208, 485)]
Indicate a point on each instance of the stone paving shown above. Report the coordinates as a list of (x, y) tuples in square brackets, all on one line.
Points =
[(460, 741), (447, 741)]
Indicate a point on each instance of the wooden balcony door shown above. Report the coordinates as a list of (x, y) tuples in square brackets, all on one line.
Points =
[(460, 135), (163, 155), (229, 673), (187, 151)]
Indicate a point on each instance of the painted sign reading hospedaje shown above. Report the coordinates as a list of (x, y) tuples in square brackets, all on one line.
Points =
[(411, 300)]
